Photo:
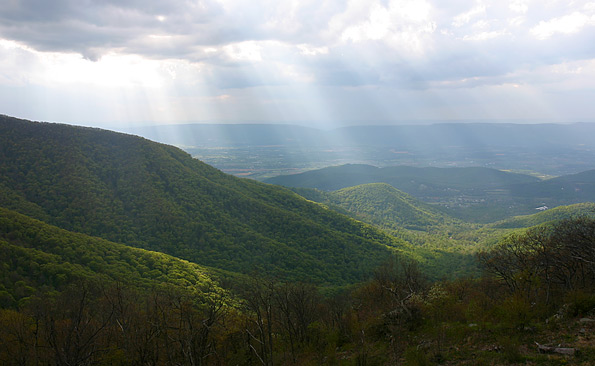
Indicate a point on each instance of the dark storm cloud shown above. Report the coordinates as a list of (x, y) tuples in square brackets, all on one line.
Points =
[(93, 28)]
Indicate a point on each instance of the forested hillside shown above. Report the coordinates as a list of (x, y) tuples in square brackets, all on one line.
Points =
[(478, 195), (412, 180), (533, 305), (303, 284), (586, 209), (133, 191), (382, 205), (401, 215), (37, 257)]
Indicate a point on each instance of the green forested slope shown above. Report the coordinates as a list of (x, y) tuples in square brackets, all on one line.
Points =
[(382, 205), (395, 212), (441, 236), (575, 187), (403, 216), (413, 180), (37, 257), (558, 213), (130, 190)]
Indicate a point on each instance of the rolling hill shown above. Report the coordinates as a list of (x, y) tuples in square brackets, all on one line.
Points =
[(413, 180), (472, 194), (382, 205), (402, 215), (558, 213)]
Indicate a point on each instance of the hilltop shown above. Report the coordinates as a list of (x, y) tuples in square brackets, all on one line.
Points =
[(382, 205)]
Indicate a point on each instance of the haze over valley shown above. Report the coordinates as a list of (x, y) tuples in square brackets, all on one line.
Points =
[(263, 151)]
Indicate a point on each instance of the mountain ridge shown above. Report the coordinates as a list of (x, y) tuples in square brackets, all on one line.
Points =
[(471, 194), (405, 178), (130, 190)]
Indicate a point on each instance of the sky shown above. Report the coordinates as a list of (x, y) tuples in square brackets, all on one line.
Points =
[(318, 63)]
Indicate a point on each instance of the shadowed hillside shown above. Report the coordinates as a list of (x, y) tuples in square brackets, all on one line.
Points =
[(412, 180)]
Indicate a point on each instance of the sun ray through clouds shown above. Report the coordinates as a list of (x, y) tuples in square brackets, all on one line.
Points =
[(331, 62)]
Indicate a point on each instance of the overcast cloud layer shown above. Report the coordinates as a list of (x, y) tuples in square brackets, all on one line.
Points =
[(313, 62)]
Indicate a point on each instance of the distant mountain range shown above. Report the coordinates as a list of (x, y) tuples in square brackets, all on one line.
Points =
[(264, 151), (434, 136), (415, 181)]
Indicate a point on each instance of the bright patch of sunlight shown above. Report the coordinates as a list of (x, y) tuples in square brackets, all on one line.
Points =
[(115, 71), (312, 51), (244, 51), (110, 70), (485, 35)]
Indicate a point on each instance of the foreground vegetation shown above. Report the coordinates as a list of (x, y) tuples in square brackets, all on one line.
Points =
[(397, 317)]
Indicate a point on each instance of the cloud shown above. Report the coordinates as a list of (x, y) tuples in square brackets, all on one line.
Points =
[(568, 24), (209, 48)]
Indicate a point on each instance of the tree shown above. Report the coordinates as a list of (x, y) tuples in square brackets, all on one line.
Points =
[(546, 260)]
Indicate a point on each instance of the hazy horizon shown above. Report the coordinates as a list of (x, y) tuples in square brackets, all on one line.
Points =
[(318, 125)]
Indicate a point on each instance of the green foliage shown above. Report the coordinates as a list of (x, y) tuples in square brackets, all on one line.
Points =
[(545, 260), (129, 190), (580, 303), (586, 209), (478, 195), (37, 257), (384, 206)]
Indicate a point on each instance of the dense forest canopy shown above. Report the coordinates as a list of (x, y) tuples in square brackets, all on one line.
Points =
[(133, 191)]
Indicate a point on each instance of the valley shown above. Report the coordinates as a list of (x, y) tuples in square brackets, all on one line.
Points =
[(116, 249), (264, 151)]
